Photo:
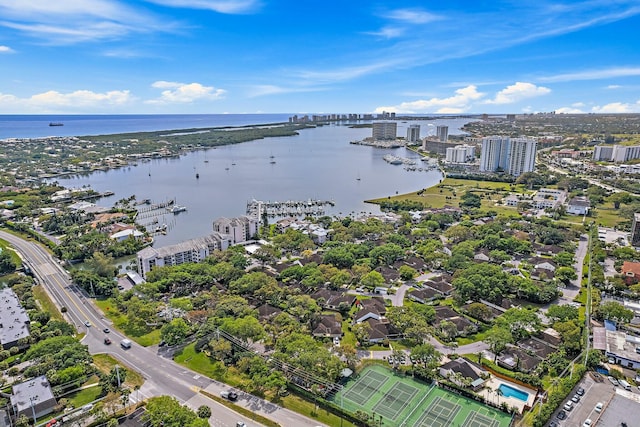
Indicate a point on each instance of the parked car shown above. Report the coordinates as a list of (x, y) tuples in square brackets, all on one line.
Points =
[(599, 407), (575, 398), (561, 415), (613, 381), (587, 423), (568, 406), (580, 391)]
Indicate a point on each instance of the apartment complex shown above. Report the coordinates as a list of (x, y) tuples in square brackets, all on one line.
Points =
[(194, 250), (514, 156), (226, 232), (14, 320), (413, 133), (238, 229), (616, 153), (442, 132), (384, 130), (635, 230), (461, 154)]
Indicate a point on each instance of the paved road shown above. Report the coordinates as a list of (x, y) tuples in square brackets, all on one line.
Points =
[(162, 376)]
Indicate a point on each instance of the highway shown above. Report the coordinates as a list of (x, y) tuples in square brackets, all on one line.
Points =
[(162, 376)]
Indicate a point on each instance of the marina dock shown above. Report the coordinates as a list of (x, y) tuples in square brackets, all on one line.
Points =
[(259, 208)]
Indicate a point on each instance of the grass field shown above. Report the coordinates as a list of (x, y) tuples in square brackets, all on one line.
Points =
[(448, 192), (400, 401), (121, 323)]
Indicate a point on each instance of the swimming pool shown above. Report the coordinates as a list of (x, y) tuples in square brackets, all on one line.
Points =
[(508, 391)]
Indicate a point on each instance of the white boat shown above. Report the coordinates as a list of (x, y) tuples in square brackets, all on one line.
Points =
[(176, 208)]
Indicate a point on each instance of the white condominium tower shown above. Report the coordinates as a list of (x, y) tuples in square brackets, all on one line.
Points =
[(413, 133), (514, 156)]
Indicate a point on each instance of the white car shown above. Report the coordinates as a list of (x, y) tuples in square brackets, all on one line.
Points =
[(587, 423), (599, 407)]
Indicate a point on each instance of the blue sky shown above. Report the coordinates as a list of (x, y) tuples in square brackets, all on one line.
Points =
[(252, 56)]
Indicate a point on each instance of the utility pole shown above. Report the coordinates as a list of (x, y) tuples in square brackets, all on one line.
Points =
[(33, 409), (118, 375)]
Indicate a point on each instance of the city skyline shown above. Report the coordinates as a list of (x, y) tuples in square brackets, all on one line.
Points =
[(256, 56)]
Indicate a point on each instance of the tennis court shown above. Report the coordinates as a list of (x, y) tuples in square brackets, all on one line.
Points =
[(404, 402)]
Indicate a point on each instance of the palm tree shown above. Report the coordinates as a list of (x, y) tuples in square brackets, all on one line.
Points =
[(499, 393)]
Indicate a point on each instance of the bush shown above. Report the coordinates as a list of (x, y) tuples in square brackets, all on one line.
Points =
[(204, 412)]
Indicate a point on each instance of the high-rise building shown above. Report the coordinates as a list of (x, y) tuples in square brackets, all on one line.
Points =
[(616, 153), (384, 130), (413, 133), (513, 156), (461, 154), (635, 230), (442, 132), (522, 156)]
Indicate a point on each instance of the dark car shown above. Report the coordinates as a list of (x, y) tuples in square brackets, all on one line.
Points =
[(561, 415), (107, 341), (580, 391), (553, 424), (106, 330)]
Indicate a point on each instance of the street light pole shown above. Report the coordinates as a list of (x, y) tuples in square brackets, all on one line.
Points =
[(33, 410)]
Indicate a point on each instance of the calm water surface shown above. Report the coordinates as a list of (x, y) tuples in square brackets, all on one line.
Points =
[(318, 163)]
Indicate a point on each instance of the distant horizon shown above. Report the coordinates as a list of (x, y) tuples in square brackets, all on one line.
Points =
[(252, 56)]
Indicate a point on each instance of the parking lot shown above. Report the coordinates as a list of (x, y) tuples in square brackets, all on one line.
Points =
[(618, 405)]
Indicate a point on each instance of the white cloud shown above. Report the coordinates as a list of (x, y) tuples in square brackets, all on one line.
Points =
[(613, 87), (72, 21), (387, 32), (79, 101), (517, 92), (220, 6), (184, 92), (617, 107), (594, 74), (412, 16), (578, 104), (568, 110), (6, 49), (457, 103), (263, 90)]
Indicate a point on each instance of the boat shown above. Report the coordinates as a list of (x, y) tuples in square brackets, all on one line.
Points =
[(56, 124), (177, 209), (197, 176)]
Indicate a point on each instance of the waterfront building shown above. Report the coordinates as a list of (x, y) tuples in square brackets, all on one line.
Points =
[(384, 130), (436, 147), (14, 320), (239, 229), (194, 250), (413, 133), (513, 156), (461, 154), (442, 132)]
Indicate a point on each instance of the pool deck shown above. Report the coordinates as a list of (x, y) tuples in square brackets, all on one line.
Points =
[(494, 383)]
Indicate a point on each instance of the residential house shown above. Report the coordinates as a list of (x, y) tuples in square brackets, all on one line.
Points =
[(328, 327), (579, 205), (424, 295), (631, 272), (126, 234), (267, 311), (466, 369), (517, 359), (333, 300)]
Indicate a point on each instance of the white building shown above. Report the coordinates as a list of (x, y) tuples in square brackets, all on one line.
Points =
[(461, 154), (442, 132), (549, 198), (514, 156), (413, 133), (384, 130), (616, 153), (14, 320), (578, 205), (33, 397), (127, 233), (194, 250), (240, 229)]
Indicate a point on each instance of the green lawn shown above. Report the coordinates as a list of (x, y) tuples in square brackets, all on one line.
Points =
[(45, 302), (84, 396), (106, 362), (448, 192), (6, 246)]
